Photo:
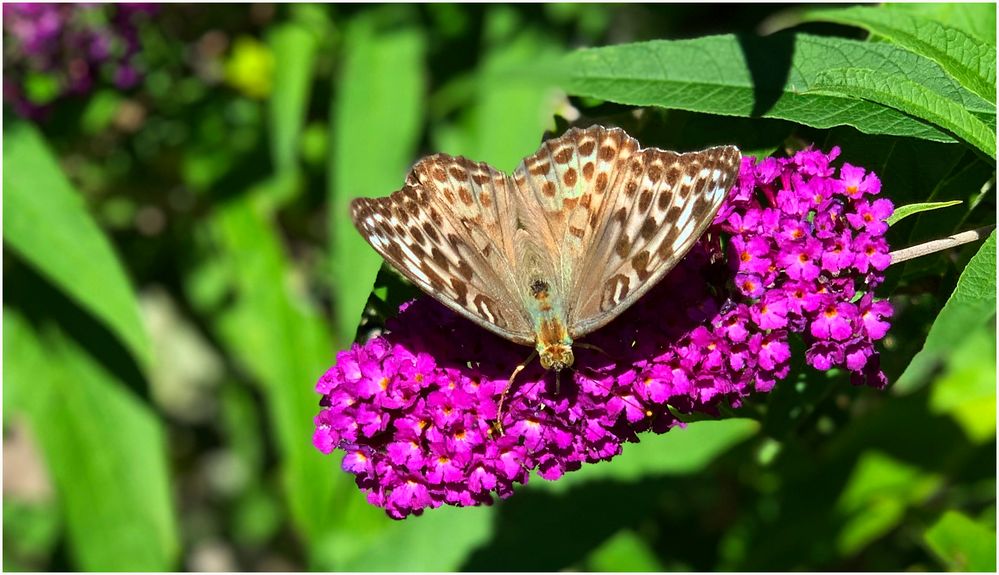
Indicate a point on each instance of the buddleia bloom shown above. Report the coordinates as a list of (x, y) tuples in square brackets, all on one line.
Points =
[(53, 51), (797, 248)]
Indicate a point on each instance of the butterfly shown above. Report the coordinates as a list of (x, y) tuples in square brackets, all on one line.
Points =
[(577, 234)]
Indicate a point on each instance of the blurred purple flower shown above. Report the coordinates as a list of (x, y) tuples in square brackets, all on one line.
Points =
[(56, 50), (413, 409)]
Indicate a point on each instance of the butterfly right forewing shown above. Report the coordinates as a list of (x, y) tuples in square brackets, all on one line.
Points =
[(660, 204)]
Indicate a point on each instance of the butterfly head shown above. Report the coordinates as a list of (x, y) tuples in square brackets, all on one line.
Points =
[(556, 356)]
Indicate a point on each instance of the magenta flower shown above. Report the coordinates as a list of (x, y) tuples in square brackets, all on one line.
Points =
[(788, 253), (73, 46)]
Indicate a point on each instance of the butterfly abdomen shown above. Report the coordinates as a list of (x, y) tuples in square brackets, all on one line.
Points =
[(551, 334)]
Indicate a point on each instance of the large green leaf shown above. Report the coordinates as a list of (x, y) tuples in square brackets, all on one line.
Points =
[(966, 58), (294, 49), (972, 303), (977, 19), (759, 77), (274, 331), (45, 220), (897, 91), (961, 543), (377, 123), (104, 449)]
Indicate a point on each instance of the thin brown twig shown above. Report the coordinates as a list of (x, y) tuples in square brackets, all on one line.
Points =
[(930, 247)]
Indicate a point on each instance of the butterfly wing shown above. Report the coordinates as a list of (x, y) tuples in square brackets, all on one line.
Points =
[(451, 231), (655, 208), (562, 190)]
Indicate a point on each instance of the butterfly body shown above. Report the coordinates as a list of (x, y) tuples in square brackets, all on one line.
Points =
[(542, 257), (551, 336)]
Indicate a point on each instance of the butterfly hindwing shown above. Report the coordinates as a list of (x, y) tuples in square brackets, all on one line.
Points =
[(563, 187), (447, 230)]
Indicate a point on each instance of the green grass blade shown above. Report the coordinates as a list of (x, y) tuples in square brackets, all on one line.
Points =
[(104, 450), (46, 222), (274, 331), (377, 123), (294, 50)]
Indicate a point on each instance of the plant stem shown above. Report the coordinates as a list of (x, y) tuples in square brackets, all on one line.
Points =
[(938, 245)]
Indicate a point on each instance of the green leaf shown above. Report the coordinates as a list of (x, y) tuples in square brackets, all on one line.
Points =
[(294, 49), (105, 450), (759, 77), (377, 123), (977, 19), (897, 91), (972, 304), (876, 496), (625, 551), (963, 56), (681, 451), (962, 544), (46, 222), (274, 330), (439, 540), (903, 212), (966, 390), (507, 113)]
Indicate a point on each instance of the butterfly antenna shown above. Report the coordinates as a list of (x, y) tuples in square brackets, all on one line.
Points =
[(499, 410)]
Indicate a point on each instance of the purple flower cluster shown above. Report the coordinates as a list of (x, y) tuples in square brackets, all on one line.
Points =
[(797, 248), (56, 50)]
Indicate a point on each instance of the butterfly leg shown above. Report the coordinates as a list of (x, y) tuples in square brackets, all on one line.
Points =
[(499, 410)]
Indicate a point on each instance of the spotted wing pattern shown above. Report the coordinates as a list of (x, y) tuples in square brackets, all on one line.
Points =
[(619, 217), (593, 215), (450, 230)]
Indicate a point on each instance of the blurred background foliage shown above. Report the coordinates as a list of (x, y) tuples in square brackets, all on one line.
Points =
[(179, 270)]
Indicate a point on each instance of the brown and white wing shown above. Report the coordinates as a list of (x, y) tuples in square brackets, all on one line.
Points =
[(654, 209), (450, 231), (563, 191)]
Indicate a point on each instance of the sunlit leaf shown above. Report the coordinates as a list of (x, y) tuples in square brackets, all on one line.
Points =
[(625, 551), (907, 210), (972, 304), (275, 331), (760, 77), (876, 497), (912, 98), (294, 49), (46, 222), (967, 388), (105, 450), (377, 123), (966, 58), (961, 544)]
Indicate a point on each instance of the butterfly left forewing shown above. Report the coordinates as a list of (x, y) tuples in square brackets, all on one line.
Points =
[(446, 231)]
